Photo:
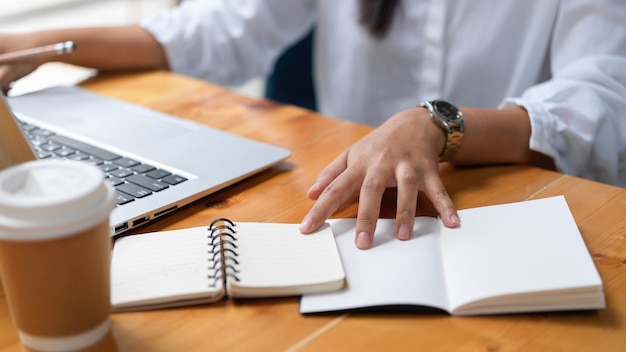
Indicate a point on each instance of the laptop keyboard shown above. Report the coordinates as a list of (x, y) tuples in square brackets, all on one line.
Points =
[(130, 178)]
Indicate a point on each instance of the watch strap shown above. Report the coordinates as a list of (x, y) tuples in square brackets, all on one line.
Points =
[(454, 136), (453, 141)]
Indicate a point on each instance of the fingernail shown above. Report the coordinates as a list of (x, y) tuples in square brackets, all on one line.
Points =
[(306, 225), (455, 219), (313, 188), (363, 240), (404, 232)]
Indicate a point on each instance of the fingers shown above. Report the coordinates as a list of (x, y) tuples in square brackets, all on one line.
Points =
[(407, 180), (334, 192), (370, 198), (326, 176), (436, 192), (332, 189), (333, 196)]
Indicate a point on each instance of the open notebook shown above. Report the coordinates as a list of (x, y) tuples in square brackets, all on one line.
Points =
[(206, 264), (510, 258)]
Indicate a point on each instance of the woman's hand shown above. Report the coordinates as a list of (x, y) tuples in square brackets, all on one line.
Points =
[(14, 70), (402, 153), (104, 48)]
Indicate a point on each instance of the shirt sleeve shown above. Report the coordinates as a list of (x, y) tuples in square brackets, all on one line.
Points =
[(578, 117), (228, 42)]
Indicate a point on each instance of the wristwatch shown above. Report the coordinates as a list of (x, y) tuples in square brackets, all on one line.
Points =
[(450, 119)]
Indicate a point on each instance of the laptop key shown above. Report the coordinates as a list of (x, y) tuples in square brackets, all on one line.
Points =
[(43, 155), (173, 179), (158, 173), (64, 152), (126, 162), (84, 147), (121, 173), (40, 132), (122, 198), (114, 181), (106, 168), (133, 190), (50, 147), (147, 182), (142, 168), (36, 142), (78, 156), (94, 161)]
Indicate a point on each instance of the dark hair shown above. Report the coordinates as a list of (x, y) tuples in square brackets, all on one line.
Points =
[(377, 15)]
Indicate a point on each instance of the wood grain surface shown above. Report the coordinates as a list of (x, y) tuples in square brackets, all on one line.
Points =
[(278, 195)]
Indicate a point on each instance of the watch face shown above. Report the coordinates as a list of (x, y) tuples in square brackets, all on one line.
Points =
[(447, 110)]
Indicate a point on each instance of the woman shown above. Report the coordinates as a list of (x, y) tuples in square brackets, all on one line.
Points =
[(538, 82)]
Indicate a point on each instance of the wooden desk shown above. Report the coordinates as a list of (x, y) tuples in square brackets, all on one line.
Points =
[(278, 195)]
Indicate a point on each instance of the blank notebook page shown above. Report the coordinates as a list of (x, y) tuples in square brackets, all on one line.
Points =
[(160, 264), (275, 255)]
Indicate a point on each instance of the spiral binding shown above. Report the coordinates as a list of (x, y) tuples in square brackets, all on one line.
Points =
[(223, 244)]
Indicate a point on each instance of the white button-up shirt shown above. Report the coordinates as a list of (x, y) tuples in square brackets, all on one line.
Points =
[(564, 61)]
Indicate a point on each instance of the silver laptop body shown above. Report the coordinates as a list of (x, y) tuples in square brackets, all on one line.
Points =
[(204, 158)]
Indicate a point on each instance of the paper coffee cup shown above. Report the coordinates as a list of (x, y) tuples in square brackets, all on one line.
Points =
[(55, 248)]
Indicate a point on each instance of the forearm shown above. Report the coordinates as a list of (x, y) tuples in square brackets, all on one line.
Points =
[(105, 48), (498, 137)]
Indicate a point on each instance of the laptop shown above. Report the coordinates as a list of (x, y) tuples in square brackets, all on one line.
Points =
[(156, 162)]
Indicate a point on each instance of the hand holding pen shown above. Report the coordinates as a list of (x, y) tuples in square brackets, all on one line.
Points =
[(38, 52)]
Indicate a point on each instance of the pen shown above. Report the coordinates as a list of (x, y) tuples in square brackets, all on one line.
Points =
[(41, 51)]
